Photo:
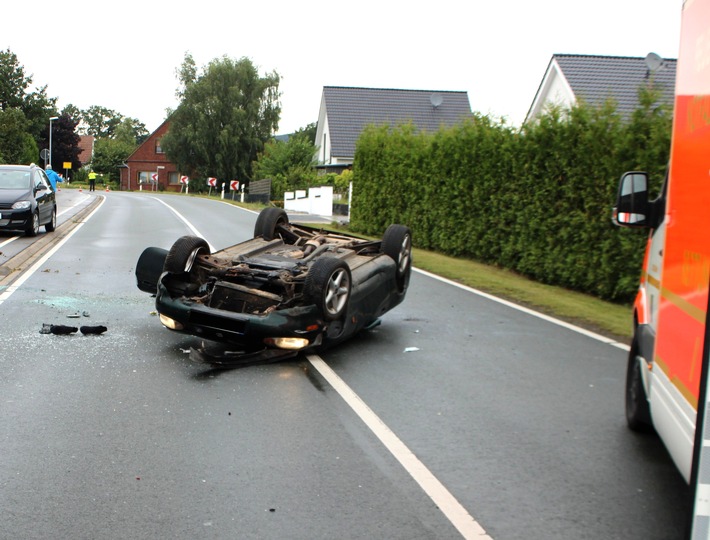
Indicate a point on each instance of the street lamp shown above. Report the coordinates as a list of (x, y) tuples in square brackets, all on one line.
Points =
[(50, 137)]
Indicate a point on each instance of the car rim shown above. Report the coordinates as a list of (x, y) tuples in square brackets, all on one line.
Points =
[(404, 254), (337, 293), (35, 223)]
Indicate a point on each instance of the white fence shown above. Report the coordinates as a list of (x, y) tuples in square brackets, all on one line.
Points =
[(319, 201)]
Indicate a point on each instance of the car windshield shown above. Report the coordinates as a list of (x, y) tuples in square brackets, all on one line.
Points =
[(14, 179)]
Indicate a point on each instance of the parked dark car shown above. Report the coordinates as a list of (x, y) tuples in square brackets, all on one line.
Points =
[(291, 288), (27, 200)]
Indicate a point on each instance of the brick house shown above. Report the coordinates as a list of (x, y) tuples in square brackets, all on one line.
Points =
[(145, 161), (86, 149)]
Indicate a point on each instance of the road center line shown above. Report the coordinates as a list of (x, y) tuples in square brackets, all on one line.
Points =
[(186, 222), (452, 509)]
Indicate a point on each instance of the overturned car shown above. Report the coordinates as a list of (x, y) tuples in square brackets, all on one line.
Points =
[(290, 288)]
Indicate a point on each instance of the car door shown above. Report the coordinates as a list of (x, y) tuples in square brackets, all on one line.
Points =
[(44, 196)]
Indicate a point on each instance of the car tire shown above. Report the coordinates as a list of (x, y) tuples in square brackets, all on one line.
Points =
[(149, 269), (52, 225), (268, 222), (33, 229), (638, 413), (182, 255), (328, 286), (397, 244)]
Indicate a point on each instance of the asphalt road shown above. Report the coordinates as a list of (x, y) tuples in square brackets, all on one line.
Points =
[(516, 419)]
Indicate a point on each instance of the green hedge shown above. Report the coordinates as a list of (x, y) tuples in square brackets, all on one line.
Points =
[(536, 200)]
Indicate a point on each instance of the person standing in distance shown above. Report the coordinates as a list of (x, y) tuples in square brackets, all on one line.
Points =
[(92, 181)]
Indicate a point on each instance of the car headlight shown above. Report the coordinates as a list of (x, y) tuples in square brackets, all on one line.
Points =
[(290, 343), (21, 205), (170, 323)]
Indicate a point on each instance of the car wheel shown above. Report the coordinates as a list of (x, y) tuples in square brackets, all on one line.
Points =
[(49, 227), (268, 222), (182, 255), (397, 244), (33, 229), (638, 413), (328, 285)]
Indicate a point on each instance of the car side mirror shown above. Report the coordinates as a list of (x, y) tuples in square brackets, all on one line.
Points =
[(632, 207)]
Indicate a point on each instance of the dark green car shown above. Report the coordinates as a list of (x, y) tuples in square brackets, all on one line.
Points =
[(291, 288)]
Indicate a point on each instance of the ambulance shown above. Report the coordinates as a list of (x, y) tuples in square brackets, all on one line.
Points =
[(665, 365)]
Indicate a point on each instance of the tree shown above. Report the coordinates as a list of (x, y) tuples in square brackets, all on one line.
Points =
[(225, 117), (13, 82), (289, 163), (309, 132), (16, 144), (100, 121), (14, 94), (111, 152), (74, 112), (65, 142)]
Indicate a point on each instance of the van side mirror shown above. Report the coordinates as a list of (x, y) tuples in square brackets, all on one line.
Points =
[(632, 208)]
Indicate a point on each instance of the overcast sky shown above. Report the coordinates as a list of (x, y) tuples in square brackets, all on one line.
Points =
[(123, 55)]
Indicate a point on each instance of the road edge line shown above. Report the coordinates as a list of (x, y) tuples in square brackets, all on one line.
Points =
[(437, 492)]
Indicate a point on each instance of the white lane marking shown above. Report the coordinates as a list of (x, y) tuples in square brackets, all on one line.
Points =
[(75, 204), (452, 509), (186, 222), (6, 242), (528, 311), (240, 207), (30, 271)]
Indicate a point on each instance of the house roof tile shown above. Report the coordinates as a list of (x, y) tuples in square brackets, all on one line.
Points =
[(594, 79), (351, 109)]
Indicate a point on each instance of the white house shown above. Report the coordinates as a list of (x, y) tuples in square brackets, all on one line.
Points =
[(571, 78)]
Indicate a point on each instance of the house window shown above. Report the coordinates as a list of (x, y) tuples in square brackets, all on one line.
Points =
[(144, 177), (158, 148), (173, 179), (325, 151)]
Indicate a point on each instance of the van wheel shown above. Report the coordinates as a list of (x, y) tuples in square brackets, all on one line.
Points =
[(638, 413)]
